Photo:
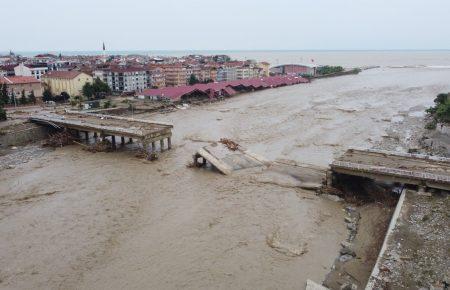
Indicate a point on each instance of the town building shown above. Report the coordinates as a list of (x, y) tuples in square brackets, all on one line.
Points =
[(156, 77), (208, 73), (265, 66), (123, 79), (7, 70), (44, 58), (295, 69), (226, 74), (176, 75), (71, 82), (31, 70), (17, 84)]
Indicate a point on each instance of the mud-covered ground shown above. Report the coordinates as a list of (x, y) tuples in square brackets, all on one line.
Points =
[(71, 219), (418, 249)]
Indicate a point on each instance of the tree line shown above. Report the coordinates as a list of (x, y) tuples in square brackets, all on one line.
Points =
[(16, 99), (440, 112)]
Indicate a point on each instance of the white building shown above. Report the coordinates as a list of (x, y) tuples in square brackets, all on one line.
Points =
[(226, 74), (123, 79), (31, 70)]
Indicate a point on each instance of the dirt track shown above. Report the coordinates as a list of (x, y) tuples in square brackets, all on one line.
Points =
[(72, 219)]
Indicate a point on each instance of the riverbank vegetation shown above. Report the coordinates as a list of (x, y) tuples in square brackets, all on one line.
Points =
[(440, 112), (328, 69)]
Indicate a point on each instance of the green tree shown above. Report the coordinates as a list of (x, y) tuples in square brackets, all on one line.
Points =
[(107, 104), (32, 97), (443, 112), (88, 90), (193, 80), (101, 87), (13, 98), (77, 101), (23, 98), (325, 70), (65, 97), (3, 116), (97, 89), (4, 98), (47, 95), (440, 112)]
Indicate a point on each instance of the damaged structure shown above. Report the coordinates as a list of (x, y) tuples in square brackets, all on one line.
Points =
[(410, 169), (221, 89), (148, 133), (226, 159)]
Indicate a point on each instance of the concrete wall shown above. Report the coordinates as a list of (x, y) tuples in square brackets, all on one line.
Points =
[(24, 134)]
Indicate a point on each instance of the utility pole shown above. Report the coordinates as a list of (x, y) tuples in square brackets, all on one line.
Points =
[(15, 102)]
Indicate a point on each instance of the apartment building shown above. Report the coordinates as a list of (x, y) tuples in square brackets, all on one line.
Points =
[(208, 73), (31, 70), (176, 75), (226, 74), (265, 67), (156, 77), (124, 79)]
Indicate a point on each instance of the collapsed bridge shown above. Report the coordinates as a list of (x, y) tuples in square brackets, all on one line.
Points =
[(146, 132), (411, 169)]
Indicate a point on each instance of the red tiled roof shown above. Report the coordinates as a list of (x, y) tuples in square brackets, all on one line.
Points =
[(62, 74), (175, 93), (18, 80)]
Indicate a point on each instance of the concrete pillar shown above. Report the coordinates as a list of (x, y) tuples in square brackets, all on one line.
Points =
[(169, 143), (195, 160), (330, 178), (161, 143), (113, 141), (422, 189)]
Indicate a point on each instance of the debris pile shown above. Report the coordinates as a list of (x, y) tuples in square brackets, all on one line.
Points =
[(59, 139), (230, 144), (101, 146), (151, 156)]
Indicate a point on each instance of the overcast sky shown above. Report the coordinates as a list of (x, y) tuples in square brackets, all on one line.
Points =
[(59, 25)]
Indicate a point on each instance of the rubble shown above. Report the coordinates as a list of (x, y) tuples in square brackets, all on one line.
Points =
[(230, 144), (59, 139), (101, 146)]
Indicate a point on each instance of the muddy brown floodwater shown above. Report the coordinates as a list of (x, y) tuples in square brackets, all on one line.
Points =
[(70, 219)]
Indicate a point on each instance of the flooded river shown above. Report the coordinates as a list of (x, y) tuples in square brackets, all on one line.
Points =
[(71, 219)]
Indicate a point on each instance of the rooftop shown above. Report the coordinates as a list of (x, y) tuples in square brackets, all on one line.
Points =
[(62, 74), (18, 80)]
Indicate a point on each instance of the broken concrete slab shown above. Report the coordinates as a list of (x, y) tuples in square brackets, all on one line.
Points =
[(226, 160), (311, 285)]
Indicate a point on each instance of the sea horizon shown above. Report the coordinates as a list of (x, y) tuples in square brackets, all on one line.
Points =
[(166, 52)]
